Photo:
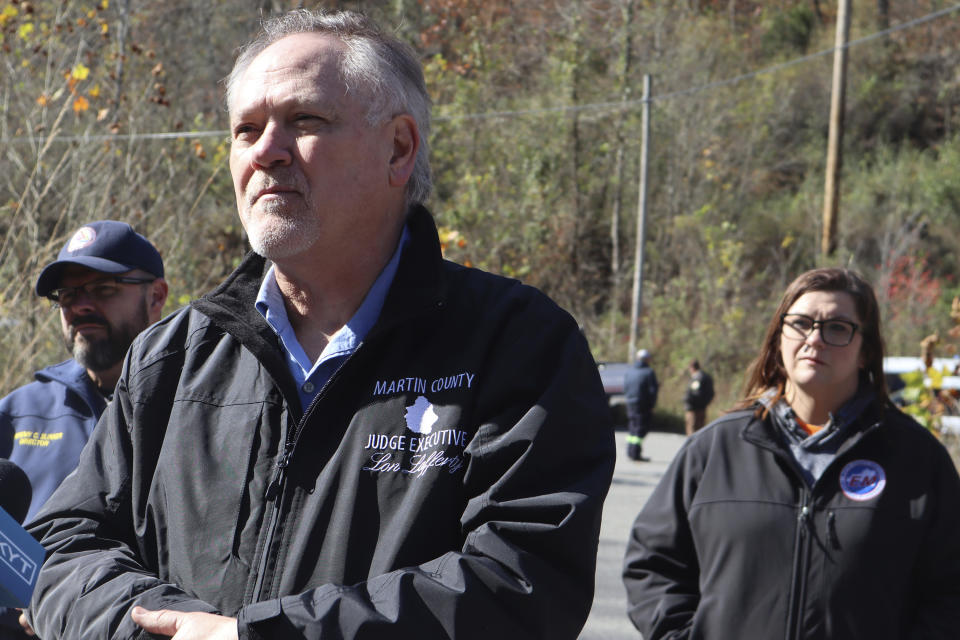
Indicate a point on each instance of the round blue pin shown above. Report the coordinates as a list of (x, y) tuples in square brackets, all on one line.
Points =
[(862, 480)]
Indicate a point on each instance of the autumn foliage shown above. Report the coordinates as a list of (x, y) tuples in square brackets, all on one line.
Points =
[(113, 108)]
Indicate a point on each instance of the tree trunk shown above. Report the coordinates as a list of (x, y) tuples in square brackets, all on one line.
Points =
[(816, 10), (577, 153), (123, 27), (883, 14)]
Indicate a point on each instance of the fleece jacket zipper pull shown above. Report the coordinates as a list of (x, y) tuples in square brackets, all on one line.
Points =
[(274, 489)]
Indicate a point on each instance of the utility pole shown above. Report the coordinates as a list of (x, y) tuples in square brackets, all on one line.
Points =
[(616, 267), (641, 220), (831, 197)]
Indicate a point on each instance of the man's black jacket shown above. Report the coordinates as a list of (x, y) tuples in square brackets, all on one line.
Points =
[(447, 481)]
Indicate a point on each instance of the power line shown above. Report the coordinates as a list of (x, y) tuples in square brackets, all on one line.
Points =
[(489, 115), (120, 137), (625, 104), (777, 67)]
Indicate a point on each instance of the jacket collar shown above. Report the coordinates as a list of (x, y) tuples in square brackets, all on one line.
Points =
[(852, 421), (418, 285), (72, 375)]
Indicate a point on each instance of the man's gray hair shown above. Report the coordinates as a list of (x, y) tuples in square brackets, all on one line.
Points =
[(383, 68)]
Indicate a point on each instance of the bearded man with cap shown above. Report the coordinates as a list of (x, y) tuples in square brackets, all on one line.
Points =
[(108, 286)]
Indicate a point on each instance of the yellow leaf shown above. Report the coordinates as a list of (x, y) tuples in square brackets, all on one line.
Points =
[(25, 30), (104, 28), (936, 378), (95, 92), (8, 12), (80, 72), (105, 4), (81, 104), (91, 14)]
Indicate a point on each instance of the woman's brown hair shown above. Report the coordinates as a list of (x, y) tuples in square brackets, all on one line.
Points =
[(767, 372)]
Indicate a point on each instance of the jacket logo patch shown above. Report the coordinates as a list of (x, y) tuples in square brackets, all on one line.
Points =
[(427, 447), (862, 480), (36, 438), (420, 416), (422, 385)]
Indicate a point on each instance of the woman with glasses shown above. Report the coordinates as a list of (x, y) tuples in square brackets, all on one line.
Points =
[(815, 509)]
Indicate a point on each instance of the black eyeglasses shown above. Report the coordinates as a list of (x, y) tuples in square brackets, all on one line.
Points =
[(834, 331), (98, 290)]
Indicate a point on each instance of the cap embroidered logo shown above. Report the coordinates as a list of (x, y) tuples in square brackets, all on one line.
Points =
[(83, 238)]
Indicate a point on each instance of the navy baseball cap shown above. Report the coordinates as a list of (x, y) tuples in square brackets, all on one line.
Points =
[(107, 246)]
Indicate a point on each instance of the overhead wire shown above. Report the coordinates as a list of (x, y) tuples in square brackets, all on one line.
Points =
[(615, 105), (623, 104)]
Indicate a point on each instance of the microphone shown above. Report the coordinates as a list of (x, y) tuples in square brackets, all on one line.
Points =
[(20, 555), (15, 490)]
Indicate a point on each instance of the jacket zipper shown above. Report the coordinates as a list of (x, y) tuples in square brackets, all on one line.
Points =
[(273, 493), (275, 488), (802, 539), (802, 544), (801, 554)]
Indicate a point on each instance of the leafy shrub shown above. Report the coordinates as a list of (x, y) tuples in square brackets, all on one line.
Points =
[(791, 28)]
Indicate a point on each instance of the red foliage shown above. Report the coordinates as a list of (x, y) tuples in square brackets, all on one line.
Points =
[(912, 286)]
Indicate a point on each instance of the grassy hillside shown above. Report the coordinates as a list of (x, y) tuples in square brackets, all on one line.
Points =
[(113, 109)]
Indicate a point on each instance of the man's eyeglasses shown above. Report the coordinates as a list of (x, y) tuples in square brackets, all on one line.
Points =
[(98, 290), (835, 332)]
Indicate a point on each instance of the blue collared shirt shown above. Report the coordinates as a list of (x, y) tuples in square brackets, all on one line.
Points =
[(311, 376)]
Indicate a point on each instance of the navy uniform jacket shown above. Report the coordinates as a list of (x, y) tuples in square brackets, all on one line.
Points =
[(45, 424), (43, 427), (640, 387)]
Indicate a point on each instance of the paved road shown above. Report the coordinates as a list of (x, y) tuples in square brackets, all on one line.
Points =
[(632, 484)]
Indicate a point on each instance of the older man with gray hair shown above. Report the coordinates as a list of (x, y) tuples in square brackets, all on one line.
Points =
[(350, 437)]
